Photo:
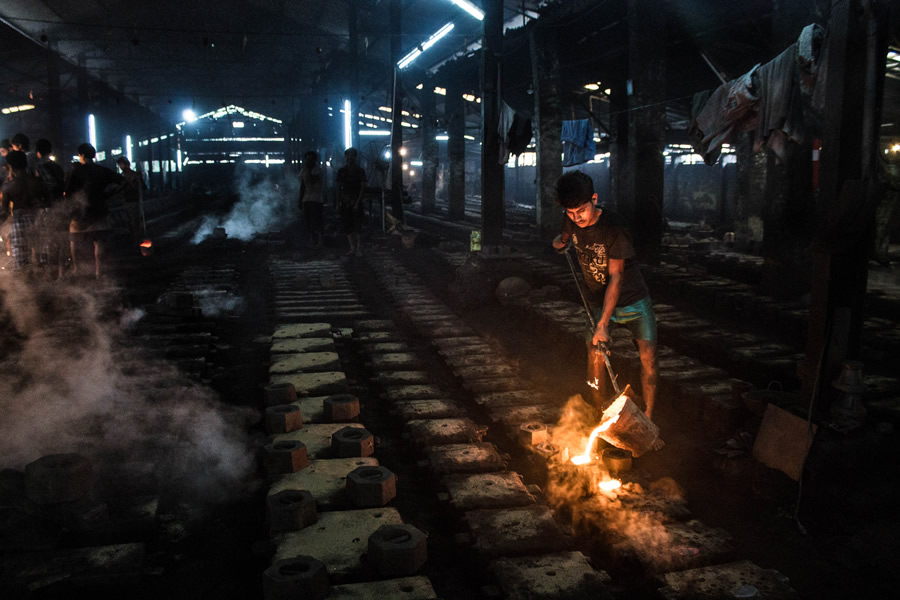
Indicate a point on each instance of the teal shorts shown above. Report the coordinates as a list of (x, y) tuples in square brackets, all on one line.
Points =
[(639, 318)]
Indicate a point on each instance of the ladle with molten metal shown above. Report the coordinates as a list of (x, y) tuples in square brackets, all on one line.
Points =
[(146, 245), (623, 424)]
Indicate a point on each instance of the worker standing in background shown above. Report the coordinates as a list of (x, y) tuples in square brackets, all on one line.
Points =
[(133, 199), (616, 291), (53, 223), (90, 186), (23, 196), (311, 199), (351, 184)]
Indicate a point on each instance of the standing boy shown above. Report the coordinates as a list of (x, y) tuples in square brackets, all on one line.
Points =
[(615, 290)]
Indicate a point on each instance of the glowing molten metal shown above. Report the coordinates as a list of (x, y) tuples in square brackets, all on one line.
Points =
[(612, 484), (610, 416)]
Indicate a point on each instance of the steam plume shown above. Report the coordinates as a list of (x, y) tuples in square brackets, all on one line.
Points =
[(72, 384), (631, 519), (265, 202)]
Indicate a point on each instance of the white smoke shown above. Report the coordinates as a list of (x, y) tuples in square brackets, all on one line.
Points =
[(633, 520), (72, 383), (266, 202), (214, 303)]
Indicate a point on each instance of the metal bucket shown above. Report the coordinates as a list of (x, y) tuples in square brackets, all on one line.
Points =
[(629, 428)]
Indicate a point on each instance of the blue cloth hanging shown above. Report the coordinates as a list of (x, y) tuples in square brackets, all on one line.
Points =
[(578, 142)]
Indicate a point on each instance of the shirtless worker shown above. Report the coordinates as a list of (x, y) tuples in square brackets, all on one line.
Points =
[(615, 289)]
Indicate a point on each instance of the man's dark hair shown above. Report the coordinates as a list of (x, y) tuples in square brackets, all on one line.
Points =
[(574, 189), (87, 151), (20, 139), (43, 147), (352, 151), (4, 143), (17, 159), (123, 160)]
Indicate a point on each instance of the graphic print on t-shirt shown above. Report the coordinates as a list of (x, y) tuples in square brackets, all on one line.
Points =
[(594, 261)]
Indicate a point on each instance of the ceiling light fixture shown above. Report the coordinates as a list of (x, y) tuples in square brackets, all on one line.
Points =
[(437, 35), (14, 109), (92, 131), (348, 132), (470, 8)]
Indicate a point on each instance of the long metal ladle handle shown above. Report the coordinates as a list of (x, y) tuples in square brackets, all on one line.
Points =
[(604, 349)]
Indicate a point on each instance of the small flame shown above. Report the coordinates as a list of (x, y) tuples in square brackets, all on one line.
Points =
[(612, 484), (146, 244), (595, 383)]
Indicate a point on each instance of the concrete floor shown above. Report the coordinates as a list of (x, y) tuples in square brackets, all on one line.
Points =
[(392, 319)]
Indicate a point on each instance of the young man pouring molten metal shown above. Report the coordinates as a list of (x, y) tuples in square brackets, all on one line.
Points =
[(615, 290)]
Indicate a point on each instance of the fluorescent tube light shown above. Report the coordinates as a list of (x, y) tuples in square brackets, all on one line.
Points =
[(347, 128), (414, 54), (470, 8)]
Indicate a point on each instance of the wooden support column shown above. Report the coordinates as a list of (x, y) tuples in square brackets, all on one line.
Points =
[(548, 126), (620, 173), (455, 110), (787, 219), (83, 91), (788, 209), (54, 102), (291, 167), (429, 147), (353, 15), (150, 155), (749, 196), (396, 116), (846, 202), (647, 69), (164, 164), (492, 174)]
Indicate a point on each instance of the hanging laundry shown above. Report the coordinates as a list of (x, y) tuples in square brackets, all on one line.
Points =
[(779, 110), (767, 99), (719, 116), (578, 142), (507, 114), (519, 134)]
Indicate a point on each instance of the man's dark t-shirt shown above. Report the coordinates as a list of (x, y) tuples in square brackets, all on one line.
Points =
[(53, 177), (595, 245), (350, 180), (93, 179), (24, 192)]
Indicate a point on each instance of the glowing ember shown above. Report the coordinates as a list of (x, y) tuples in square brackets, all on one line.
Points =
[(146, 244), (594, 384), (612, 484), (610, 416)]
